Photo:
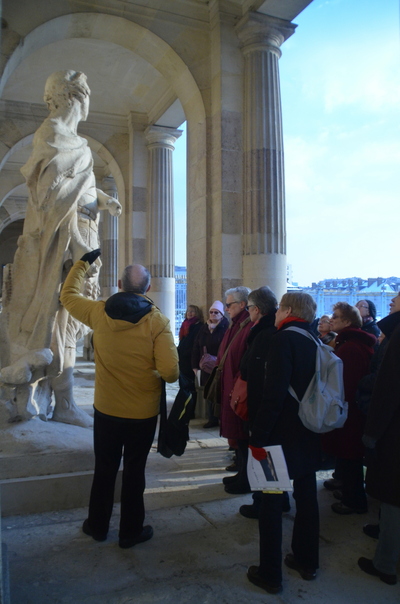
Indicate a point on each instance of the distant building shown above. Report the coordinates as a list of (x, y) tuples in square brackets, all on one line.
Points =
[(329, 291), (180, 296)]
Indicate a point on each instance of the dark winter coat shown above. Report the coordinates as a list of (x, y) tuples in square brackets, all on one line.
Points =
[(371, 327), (252, 365), (231, 425), (383, 420), (185, 348), (210, 340), (290, 361), (355, 347)]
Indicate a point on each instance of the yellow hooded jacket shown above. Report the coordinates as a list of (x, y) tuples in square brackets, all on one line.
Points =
[(133, 347)]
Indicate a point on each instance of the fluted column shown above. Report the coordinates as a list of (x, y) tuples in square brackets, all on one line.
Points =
[(109, 244), (264, 226), (160, 218)]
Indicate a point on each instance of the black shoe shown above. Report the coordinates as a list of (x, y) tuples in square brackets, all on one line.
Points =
[(230, 479), (332, 484), (340, 508), (372, 530), (368, 567), (249, 511), (237, 488), (308, 574), (145, 535), (211, 424), (88, 531), (253, 577), (337, 494)]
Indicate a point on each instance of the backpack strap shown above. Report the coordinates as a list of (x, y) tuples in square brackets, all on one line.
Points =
[(306, 333)]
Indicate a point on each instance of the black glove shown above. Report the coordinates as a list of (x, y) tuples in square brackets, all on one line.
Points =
[(91, 256)]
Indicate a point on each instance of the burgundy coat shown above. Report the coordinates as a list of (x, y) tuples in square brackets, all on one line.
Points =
[(355, 347), (231, 425)]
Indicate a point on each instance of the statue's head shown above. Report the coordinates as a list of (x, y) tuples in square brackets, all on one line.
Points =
[(63, 87)]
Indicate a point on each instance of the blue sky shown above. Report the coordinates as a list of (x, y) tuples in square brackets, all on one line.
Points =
[(340, 86)]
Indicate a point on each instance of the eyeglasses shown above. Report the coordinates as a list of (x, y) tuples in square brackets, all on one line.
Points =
[(214, 312), (336, 317), (250, 306), (230, 304), (362, 306)]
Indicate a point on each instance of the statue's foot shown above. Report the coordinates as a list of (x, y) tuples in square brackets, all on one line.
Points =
[(67, 412)]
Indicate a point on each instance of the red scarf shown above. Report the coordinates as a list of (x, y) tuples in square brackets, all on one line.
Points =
[(186, 325), (289, 320)]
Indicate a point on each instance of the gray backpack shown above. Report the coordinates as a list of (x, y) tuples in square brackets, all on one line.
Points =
[(323, 407)]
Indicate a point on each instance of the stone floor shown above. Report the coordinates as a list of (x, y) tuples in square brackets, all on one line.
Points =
[(200, 550)]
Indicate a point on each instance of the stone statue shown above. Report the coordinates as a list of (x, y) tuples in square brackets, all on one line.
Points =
[(60, 226)]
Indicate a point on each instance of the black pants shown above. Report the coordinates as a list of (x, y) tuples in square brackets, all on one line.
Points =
[(113, 437), (351, 474), (305, 538)]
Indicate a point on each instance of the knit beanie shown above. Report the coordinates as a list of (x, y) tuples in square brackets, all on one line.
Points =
[(217, 305)]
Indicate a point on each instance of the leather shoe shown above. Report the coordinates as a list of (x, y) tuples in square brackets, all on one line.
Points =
[(230, 479), (372, 530), (249, 511), (253, 577), (232, 468), (237, 488), (308, 574), (340, 508), (368, 567), (86, 528), (145, 535), (211, 425), (332, 484)]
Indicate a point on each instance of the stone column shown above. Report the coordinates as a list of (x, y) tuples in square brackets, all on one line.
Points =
[(264, 228), (160, 218), (109, 244)]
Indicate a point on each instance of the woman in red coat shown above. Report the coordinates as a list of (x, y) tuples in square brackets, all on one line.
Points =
[(232, 426), (355, 348)]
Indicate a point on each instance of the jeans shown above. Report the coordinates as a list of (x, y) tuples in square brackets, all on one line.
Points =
[(387, 552), (114, 437), (305, 537)]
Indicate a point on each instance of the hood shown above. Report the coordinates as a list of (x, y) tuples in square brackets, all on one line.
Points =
[(127, 306), (354, 333)]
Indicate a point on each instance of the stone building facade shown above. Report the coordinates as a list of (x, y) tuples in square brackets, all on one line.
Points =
[(151, 66)]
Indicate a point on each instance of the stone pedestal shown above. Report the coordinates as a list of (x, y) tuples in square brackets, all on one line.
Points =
[(160, 218), (109, 245), (264, 229)]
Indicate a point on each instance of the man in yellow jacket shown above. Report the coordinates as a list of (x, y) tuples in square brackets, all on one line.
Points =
[(134, 349)]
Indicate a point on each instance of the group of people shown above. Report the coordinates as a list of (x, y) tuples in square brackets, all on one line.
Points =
[(259, 348), (134, 346)]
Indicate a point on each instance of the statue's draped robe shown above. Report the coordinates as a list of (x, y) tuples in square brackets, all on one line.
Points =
[(58, 173)]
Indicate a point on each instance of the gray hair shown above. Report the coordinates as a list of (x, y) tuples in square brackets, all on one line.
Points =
[(240, 293), (302, 305), (135, 278), (264, 298)]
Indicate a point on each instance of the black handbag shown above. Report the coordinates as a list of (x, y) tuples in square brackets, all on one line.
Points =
[(174, 430)]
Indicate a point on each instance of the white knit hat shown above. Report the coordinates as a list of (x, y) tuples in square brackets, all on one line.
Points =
[(217, 305)]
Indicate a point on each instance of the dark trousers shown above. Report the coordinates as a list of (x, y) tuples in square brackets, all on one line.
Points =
[(351, 473), (305, 538), (114, 437)]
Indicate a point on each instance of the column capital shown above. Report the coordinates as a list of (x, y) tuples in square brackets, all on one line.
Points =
[(262, 32), (161, 136)]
